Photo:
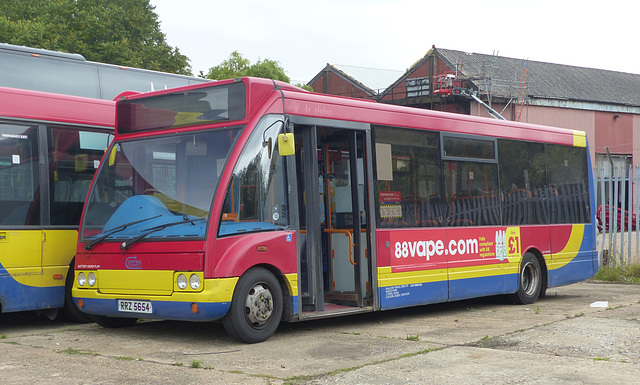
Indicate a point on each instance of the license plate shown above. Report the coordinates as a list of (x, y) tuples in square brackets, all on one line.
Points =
[(129, 306)]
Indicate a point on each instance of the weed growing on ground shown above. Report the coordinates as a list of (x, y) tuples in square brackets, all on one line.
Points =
[(620, 273)]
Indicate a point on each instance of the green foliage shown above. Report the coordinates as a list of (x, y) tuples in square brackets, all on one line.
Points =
[(412, 338), (196, 364), (238, 66), (235, 66), (620, 273), (304, 87), (123, 32)]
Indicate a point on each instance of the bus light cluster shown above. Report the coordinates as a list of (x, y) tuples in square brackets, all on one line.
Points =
[(87, 279), (183, 283)]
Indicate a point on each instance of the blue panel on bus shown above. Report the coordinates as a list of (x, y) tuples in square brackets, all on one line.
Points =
[(179, 311), (413, 294), (579, 269), (483, 286), (15, 296)]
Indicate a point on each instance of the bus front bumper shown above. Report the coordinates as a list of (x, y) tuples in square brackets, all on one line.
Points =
[(210, 304)]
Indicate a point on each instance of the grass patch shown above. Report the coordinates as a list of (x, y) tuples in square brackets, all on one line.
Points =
[(620, 273), (73, 351), (306, 378), (3, 336), (196, 364), (602, 359), (413, 338), (125, 358)]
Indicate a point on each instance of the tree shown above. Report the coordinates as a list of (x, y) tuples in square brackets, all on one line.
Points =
[(238, 66), (123, 32), (235, 66)]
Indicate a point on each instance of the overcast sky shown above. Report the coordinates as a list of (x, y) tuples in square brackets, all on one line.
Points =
[(306, 35)]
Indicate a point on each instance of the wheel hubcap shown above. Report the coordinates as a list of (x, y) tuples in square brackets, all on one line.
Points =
[(530, 278), (258, 305)]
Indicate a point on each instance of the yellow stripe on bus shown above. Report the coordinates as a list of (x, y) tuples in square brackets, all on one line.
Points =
[(479, 271), (387, 278), (215, 291), (50, 276), (579, 139), (570, 250), (292, 283), (38, 258)]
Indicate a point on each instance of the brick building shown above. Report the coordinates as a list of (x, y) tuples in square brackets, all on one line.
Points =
[(604, 104)]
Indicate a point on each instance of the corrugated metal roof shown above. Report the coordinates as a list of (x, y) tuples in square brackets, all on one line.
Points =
[(502, 76), (375, 79)]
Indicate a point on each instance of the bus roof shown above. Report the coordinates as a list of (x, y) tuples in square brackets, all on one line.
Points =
[(48, 107), (266, 96), (66, 73)]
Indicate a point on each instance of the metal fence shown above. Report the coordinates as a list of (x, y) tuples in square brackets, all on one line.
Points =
[(617, 202)]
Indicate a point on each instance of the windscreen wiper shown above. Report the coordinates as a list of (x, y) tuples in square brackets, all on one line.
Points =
[(89, 245), (126, 244)]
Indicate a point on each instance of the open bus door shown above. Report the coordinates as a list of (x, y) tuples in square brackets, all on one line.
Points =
[(335, 265)]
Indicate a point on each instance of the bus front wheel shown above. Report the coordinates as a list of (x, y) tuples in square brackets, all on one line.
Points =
[(529, 281), (256, 307)]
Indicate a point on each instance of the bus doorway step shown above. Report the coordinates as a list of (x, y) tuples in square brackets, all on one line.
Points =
[(342, 298)]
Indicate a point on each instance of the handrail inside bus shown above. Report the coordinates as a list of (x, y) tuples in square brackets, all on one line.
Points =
[(349, 234)]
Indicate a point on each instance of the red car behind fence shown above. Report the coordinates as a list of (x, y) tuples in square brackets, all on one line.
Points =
[(621, 218)]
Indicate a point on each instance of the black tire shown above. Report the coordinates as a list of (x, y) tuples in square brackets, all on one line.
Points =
[(256, 307), (70, 311), (113, 322), (529, 281)]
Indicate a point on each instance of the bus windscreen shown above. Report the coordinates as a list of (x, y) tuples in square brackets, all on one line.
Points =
[(182, 109)]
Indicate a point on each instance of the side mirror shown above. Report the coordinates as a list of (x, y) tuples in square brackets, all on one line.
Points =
[(286, 145)]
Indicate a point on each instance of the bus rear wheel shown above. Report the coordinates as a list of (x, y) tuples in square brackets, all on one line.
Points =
[(256, 307), (529, 282)]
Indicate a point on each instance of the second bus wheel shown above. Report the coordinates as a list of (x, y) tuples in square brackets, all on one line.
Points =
[(70, 311), (256, 307), (529, 281)]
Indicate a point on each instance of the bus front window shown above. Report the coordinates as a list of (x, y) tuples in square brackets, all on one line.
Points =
[(156, 182)]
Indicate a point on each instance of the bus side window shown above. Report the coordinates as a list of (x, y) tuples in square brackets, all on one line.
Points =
[(408, 189)]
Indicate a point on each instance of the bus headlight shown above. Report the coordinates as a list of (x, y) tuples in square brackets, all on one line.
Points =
[(194, 281), (182, 281), (91, 279), (82, 279)]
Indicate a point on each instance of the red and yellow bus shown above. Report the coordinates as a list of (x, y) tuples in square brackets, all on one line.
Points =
[(253, 201), (50, 147)]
